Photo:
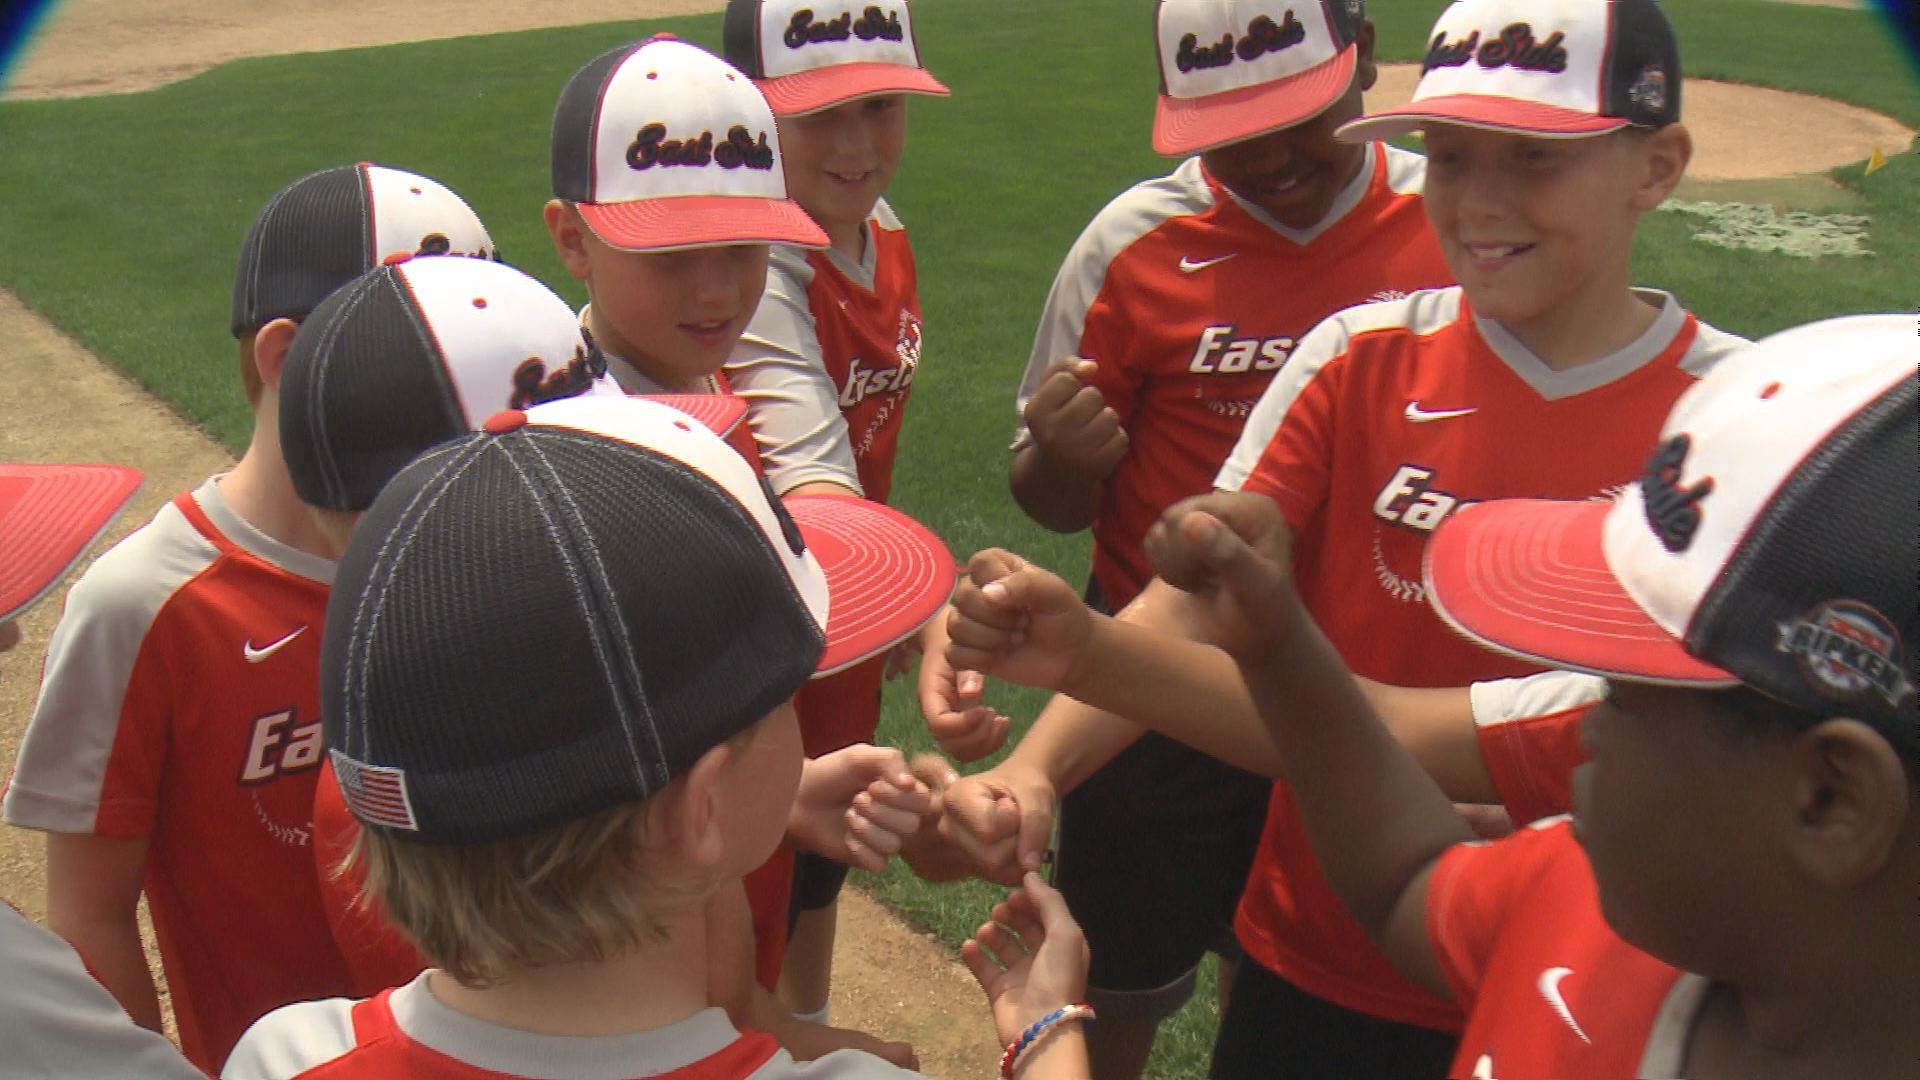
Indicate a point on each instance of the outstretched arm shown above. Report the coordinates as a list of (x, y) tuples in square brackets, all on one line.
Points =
[(1376, 819)]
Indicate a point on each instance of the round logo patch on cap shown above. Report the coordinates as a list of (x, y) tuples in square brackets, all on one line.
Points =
[(1849, 653)]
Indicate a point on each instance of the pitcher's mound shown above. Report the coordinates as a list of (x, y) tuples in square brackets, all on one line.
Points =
[(1743, 132)]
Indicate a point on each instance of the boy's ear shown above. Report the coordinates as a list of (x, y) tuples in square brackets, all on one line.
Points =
[(1364, 70), (270, 345), (688, 818), (1664, 157), (1851, 801), (569, 236)]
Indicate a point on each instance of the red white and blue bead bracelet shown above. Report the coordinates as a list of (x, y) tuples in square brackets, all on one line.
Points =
[(1017, 1049)]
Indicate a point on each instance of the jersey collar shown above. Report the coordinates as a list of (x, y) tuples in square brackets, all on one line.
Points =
[(1343, 203)]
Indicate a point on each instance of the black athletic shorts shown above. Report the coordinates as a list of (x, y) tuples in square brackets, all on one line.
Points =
[(1153, 855), (816, 884), (1273, 1030)]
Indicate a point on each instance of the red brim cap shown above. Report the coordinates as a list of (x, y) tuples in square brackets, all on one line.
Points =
[(824, 87), (1528, 577), (49, 516), (1515, 115), (691, 221), (1189, 125), (887, 574), (721, 413)]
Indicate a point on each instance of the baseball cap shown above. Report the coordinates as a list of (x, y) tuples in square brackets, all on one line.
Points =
[(329, 227), (806, 56), (663, 145), (1769, 541), (1233, 69), (1565, 68), (49, 516), (413, 354), (559, 614)]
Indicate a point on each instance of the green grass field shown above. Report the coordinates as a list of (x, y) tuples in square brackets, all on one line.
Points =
[(120, 218)]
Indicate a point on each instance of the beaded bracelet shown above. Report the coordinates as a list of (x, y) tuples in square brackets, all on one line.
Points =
[(1017, 1049)]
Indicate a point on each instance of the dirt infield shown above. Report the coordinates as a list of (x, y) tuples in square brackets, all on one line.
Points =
[(888, 979)]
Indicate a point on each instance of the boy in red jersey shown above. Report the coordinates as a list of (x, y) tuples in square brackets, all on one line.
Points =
[(829, 359), (1733, 898), (1546, 372), (1169, 317), (175, 743), (650, 751)]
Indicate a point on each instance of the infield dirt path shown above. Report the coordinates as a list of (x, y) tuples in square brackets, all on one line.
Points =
[(889, 979)]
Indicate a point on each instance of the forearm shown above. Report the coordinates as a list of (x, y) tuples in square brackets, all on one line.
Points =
[(1063, 1056), (1060, 500), (113, 953), (1071, 740), (1376, 819)]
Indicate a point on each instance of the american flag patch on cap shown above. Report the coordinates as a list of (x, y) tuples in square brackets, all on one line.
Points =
[(375, 794)]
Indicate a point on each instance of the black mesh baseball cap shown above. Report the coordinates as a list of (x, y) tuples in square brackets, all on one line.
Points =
[(1549, 68), (409, 355), (559, 614), (1769, 542), (329, 227)]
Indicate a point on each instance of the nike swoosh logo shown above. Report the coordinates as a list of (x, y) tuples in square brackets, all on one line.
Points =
[(1421, 416), (1188, 266), (254, 655), (1550, 989)]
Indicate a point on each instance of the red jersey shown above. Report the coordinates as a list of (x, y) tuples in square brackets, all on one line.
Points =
[(407, 1032), (1388, 418), (1529, 731), (1190, 300), (180, 703), (1549, 989), (829, 359)]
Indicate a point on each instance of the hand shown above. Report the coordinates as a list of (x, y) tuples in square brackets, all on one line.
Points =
[(1071, 423), (1234, 552), (965, 728), (1001, 818), (1030, 959), (1014, 620), (855, 804), (928, 852)]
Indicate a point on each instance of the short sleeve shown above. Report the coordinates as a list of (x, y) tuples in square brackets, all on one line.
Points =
[(293, 1040), (792, 404), (1473, 890), (1081, 319), (95, 749), (1529, 732), (1285, 452)]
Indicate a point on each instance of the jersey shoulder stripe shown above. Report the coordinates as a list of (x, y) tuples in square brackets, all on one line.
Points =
[(1406, 170), (883, 217), (1507, 701), (789, 273), (1419, 314), (1135, 214), (1710, 346), (293, 1040), (99, 640)]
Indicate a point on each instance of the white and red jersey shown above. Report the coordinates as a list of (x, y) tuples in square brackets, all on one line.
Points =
[(1190, 300), (407, 1032), (1550, 991), (180, 702), (1529, 733), (829, 360), (1388, 418)]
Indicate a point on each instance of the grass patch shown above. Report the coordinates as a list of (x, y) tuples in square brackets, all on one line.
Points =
[(120, 218)]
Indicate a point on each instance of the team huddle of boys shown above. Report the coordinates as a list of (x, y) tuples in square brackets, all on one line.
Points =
[(1506, 673)]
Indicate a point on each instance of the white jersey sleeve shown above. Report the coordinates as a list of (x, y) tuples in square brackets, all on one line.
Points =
[(58, 779), (1507, 701), (791, 401), (1063, 322), (55, 1020)]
